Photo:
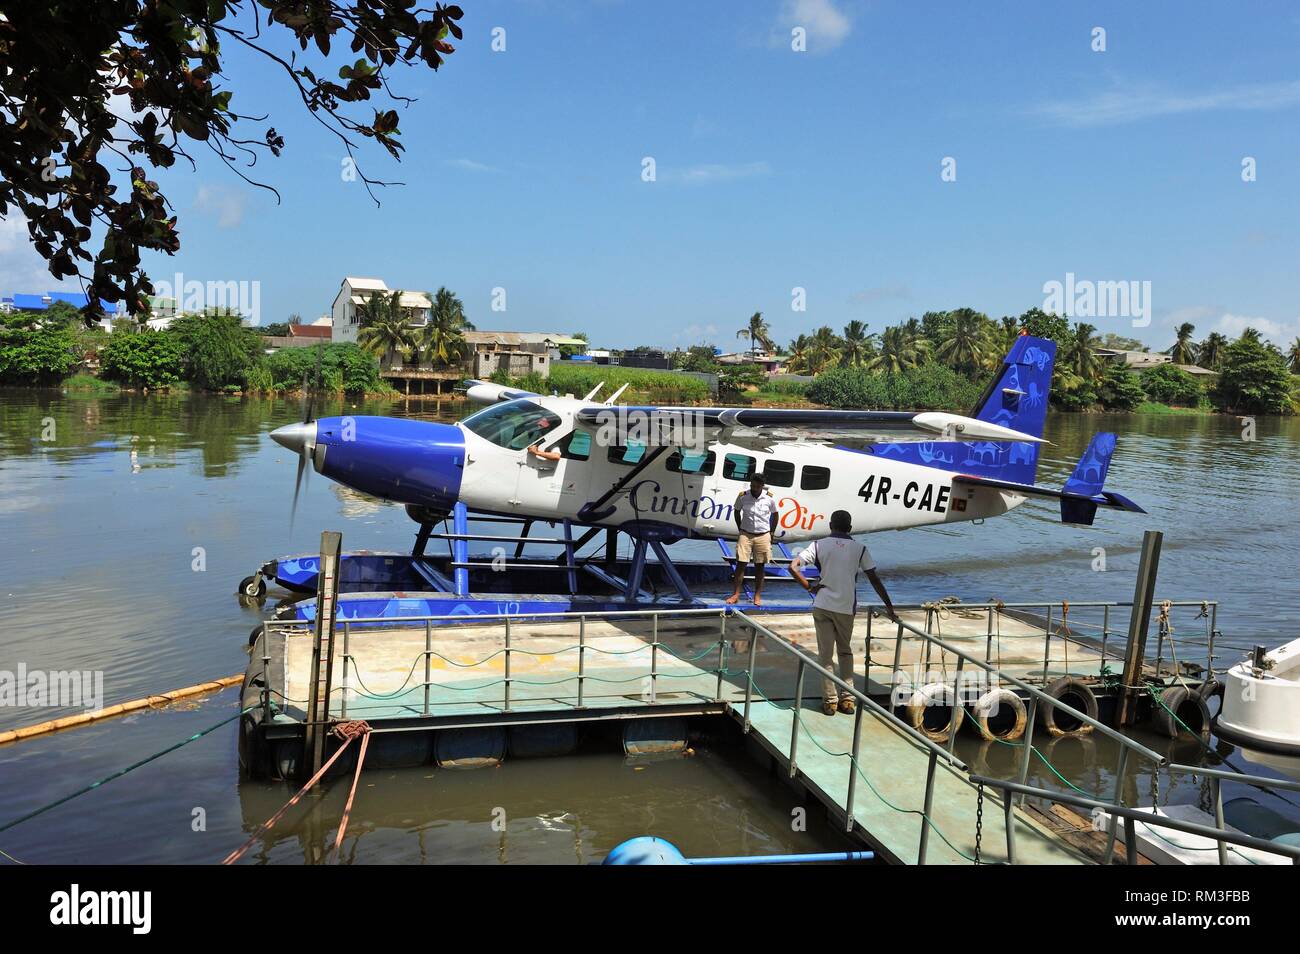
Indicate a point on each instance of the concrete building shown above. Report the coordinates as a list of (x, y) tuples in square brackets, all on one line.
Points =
[(1138, 361), (349, 304), (515, 352)]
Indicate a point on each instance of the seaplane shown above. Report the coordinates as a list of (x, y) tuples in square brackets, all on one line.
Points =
[(656, 476)]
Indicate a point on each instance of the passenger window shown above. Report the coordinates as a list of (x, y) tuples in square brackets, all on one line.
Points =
[(815, 478), (578, 446), (626, 454), (779, 473), (738, 467), (692, 462)]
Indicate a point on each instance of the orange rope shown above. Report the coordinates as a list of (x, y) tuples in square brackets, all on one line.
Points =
[(347, 731), (347, 809)]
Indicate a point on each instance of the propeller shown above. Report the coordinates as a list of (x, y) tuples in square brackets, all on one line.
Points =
[(301, 438)]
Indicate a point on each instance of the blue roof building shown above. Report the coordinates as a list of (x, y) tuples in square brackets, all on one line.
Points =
[(28, 302)]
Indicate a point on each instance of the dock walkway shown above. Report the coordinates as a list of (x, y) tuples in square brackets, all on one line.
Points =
[(405, 675)]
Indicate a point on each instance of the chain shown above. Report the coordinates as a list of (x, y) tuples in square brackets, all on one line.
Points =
[(979, 822)]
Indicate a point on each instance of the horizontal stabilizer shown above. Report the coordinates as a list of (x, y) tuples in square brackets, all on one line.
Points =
[(1075, 508)]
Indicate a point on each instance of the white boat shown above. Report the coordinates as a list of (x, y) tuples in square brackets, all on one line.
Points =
[(1261, 701)]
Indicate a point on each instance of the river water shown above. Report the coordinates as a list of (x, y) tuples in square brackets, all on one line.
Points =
[(125, 522)]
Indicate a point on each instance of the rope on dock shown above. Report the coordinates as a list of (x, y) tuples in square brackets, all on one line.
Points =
[(122, 708), (356, 777), (347, 731)]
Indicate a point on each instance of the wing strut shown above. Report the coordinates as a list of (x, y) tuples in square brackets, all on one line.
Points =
[(596, 510)]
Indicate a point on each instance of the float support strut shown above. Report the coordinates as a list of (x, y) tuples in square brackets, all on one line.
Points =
[(460, 548)]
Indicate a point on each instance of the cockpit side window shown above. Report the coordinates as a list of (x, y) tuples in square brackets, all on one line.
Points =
[(513, 424)]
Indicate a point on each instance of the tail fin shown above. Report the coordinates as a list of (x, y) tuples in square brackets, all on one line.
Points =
[(1090, 472), (1087, 480), (1015, 398)]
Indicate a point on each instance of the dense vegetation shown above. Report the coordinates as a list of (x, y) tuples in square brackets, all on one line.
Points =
[(213, 352), (644, 387), (945, 358)]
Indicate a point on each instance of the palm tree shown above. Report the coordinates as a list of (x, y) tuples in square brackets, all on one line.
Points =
[(1182, 351), (1210, 352), (384, 329), (1293, 354), (797, 362), (824, 349), (1080, 357), (899, 350), (857, 345), (964, 348), (442, 340), (1249, 334), (1005, 334), (756, 330)]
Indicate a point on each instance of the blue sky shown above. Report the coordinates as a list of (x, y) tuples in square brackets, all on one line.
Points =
[(778, 169)]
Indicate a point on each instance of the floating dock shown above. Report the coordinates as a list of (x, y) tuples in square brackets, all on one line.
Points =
[(457, 692)]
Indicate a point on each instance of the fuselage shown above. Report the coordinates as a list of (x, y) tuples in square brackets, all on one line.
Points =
[(691, 490)]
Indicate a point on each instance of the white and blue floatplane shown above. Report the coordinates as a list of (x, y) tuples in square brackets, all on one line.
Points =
[(595, 470)]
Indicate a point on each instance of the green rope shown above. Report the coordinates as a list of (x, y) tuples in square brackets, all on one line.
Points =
[(118, 774)]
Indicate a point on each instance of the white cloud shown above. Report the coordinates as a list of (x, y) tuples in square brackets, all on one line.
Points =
[(225, 202), (827, 26), (1279, 332), (21, 269), (469, 165), (1130, 103), (710, 173)]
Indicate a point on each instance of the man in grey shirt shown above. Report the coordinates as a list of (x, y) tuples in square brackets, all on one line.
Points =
[(838, 558)]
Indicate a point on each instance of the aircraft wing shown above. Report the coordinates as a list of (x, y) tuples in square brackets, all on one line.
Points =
[(765, 425)]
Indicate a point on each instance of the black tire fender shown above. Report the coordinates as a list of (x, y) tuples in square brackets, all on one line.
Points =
[(928, 697), (1189, 706), (990, 705), (1075, 693)]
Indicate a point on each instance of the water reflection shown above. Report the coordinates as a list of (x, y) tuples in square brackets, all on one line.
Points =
[(102, 521)]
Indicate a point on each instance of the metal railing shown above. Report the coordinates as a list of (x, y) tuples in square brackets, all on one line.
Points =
[(1037, 697), (864, 704), (1131, 816), (1057, 615), (803, 663), (510, 647)]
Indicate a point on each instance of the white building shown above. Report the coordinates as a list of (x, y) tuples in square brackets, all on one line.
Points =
[(354, 293)]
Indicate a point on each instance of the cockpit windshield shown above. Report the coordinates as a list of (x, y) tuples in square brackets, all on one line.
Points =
[(513, 424)]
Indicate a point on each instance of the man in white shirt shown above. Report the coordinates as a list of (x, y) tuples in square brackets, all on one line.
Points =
[(838, 559), (755, 513)]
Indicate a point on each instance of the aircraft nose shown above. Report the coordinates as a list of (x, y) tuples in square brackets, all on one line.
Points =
[(296, 437)]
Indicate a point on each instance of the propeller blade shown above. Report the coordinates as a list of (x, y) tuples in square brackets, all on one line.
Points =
[(297, 486)]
